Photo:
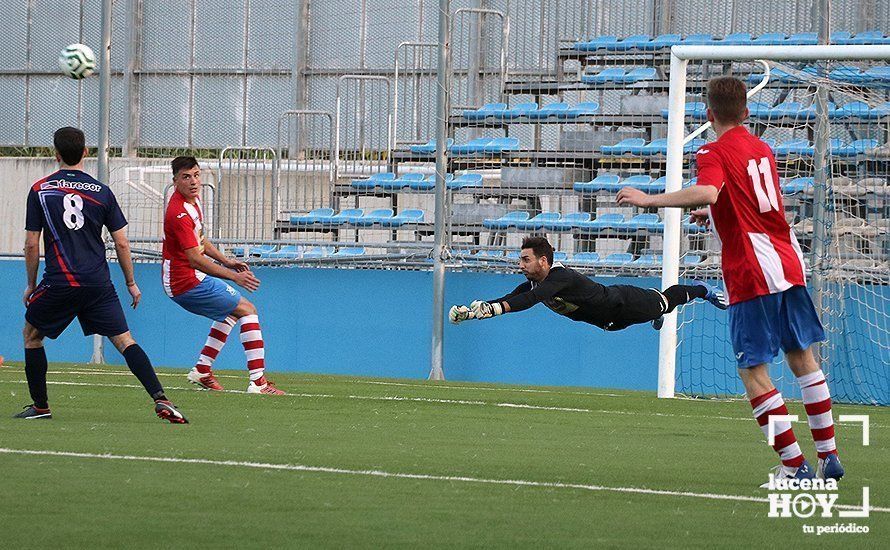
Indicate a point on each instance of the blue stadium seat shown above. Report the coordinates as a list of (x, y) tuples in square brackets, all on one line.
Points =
[(736, 39), (347, 215), (795, 147), (581, 109), (699, 40), (350, 251), (657, 186), (758, 109), (401, 182), (693, 146), (853, 109), (520, 110), (868, 37), (878, 74), (538, 221), (840, 37), (487, 110), (512, 255), (484, 255), (662, 41), (770, 39), (506, 221), (624, 146), (568, 222), (599, 42), (854, 148), (637, 75), (880, 111), (696, 110), (802, 39), (643, 222), (550, 110), (586, 258), (499, 145), (789, 109), (847, 73), (289, 251), (429, 147), (690, 183), (640, 181), (373, 217), (775, 75), (611, 74), (373, 181), (599, 183), (252, 250), (809, 113), (318, 215), (464, 180), (560, 257), (617, 259), (655, 147), (405, 217), (632, 42), (605, 222), (691, 259), (796, 185), (472, 147), (318, 252), (647, 260), (691, 227)]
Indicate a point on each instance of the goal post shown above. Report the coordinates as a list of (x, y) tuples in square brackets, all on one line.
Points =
[(808, 67)]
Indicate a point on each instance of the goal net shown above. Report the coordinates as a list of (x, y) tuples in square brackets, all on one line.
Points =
[(827, 121)]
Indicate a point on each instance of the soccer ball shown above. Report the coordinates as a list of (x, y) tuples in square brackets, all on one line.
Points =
[(77, 61)]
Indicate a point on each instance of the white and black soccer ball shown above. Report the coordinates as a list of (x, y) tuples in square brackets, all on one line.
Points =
[(77, 61)]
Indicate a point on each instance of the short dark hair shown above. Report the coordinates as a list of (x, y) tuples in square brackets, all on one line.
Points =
[(540, 246), (69, 143), (183, 163), (727, 99)]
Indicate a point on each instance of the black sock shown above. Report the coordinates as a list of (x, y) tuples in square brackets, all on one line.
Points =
[(35, 371), (678, 295), (140, 365)]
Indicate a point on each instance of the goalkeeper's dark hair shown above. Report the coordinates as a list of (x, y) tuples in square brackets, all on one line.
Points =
[(183, 163), (69, 143), (727, 99), (540, 246)]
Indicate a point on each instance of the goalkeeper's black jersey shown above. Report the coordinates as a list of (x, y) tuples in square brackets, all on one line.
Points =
[(573, 295)]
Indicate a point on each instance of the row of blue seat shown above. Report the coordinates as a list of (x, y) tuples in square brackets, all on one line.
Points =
[(417, 182), (620, 75), (530, 110), (590, 258), (479, 146), (791, 109), (289, 251), (638, 146), (357, 217), (794, 147), (849, 74), (612, 183), (645, 42), (554, 221)]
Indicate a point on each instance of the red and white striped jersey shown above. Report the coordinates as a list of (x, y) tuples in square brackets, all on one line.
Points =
[(761, 255), (183, 229)]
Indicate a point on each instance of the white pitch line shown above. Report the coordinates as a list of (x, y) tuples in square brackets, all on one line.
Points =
[(431, 400), (398, 475)]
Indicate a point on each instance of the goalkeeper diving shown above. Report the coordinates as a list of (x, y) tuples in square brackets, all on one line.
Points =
[(569, 293)]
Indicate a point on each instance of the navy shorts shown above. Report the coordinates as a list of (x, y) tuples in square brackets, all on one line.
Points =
[(212, 298), (52, 308), (760, 326)]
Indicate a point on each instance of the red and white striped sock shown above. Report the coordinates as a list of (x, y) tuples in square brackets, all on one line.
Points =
[(252, 340), (219, 332), (817, 402), (772, 404)]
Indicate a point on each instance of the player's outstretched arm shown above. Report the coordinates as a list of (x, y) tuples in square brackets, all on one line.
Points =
[(245, 279), (32, 261), (696, 195), (125, 260)]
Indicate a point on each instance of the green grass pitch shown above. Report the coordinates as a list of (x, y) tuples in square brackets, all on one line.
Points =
[(357, 462)]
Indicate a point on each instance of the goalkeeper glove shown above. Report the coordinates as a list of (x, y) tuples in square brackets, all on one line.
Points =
[(459, 314), (483, 310)]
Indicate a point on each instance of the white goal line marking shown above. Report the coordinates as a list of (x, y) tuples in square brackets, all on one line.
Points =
[(425, 400), (398, 475)]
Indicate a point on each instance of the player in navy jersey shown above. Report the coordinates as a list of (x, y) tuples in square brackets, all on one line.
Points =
[(769, 307), (70, 208)]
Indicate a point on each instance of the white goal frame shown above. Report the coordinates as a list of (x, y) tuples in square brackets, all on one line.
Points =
[(680, 58)]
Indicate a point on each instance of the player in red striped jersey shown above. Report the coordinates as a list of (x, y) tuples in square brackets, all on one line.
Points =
[(192, 280), (763, 267)]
